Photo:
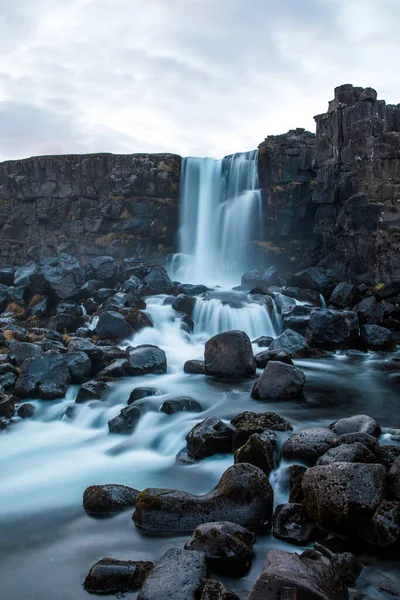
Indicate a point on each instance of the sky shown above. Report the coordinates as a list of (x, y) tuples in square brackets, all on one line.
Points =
[(194, 77)]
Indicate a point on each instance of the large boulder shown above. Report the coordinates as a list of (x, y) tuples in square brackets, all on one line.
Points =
[(143, 392), (105, 269), (308, 445), (292, 524), (194, 367), (227, 546), (20, 351), (178, 575), (209, 437), (127, 420), (46, 377), (157, 282), (184, 303), (390, 289), (333, 328), (92, 390), (340, 494), (369, 311), (112, 576), (374, 337), (356, 424), (229, 355), (343, 294), (107, 500), (367, 440), (291, 342), (279, 381), (180, 404), (113, 326), (315, 278), (354, 453), (243, 496), (247, 423), (95, 353), (260, 278), (383, 529), (137, 319), (147, 359), (259, 450), (69, 317), (79, 366)]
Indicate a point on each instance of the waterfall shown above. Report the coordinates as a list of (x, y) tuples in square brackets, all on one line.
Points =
[(220, 215)]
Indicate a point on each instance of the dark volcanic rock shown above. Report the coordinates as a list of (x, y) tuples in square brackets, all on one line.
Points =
[(258, 451), (296, 473), (113, 326), (177, 576), (390, 289), (209, 437), (356, 424), (292, 524), (229, 355), (118, 368), (343, 294), (95, 353), (247, 423), (260, 278), (353, 453), (214, 590), (137, 319), (20, 351), (243, 496), (333, 328), (105, 269), (388, 454), (157, 282), (126, 421), (79, 366), (26, 411), (227, 546), (194, 367), (279, 381), (183, 303), (44, 377), (375, 337), (106, 500), (263, 358), (291, 342), (7, 406), (147, 359), (180, 404), (263, 341), (69, 317), (111, 576), (394, 480), (367, 440), (369, 311), (383, 529), (308, 445), (92, 390), (143, 392)]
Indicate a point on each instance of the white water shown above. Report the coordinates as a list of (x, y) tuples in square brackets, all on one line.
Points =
[(220, 215)]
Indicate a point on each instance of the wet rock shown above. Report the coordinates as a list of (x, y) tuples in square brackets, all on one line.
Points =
[(308, 445), (157, 282), (105, 269), (369, 441), (227, 546), (347, 566), (243, 496), (92, 390), (132, 284), (314, 278), (112, 576), (20, 351), (184, 458), (137, 319), (180, 404), (390, 289), (333, 328), (369, 311), (375, 337), (95, 353), (292, 524), (247, 423), (353, 453), (103, 294), (388, 454), (291, 342), (26, 411), (296, 472), (209, 437), (194, 367), (279, 381), (340, 494), (192, 290), (115, 302), (41, 309), (263, 341), (214, 590), (183, 303), (258, 451), (143, 392), (69, 317), (383, 529), (4, 423), (7, 276), (7, 406), (44, 377), (147, 359), (113, 326), (177, 576), (394, 480), (260, 278), (79, 366), (343, 294), (229, 355), (89, 288), (106, 500), (118, 368), (8, 379), (309, 577), (312, 297), (263, 358), (126, 421), (356, 424)]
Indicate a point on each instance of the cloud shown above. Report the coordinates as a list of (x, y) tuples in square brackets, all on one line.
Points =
[(204, 77)]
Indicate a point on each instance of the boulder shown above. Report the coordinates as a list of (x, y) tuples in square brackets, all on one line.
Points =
[(291, 523), (132, 284), (296, 472), (259, 451), (369, 311), (263, 341), (314, 278), (157, 282), (367, 440), (137, 319), (343, 294), (243, 496), (46, 377), (292, 343), (263, 358), (333, 328), (353, 453), (69, 317), (214, 590), (26, 411), (20, 351), (105, 269), (209, 437), (118, 368), (177, 576), (147, 359), (356, 424), (180, 404), (390, 289), (183, 303), (79, 366), (113, 326), (143, 392), (62, 284), (247, 423), (192, 290), (229, 355), (388, 454), (308, 445), (7, 406), (92, 390), (126, 421), (95, 353), (260, 278), (227, 546), (112, 576), (194, 367), (383, 529), (340, 494), (107, 500), (7, 276), (374, 337), (394, 480), (115, 302), (311, 297), (279, 381)]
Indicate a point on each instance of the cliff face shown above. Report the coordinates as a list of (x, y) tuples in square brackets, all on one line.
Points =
[(88, 205)]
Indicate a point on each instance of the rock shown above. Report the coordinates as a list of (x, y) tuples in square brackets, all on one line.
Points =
[(390, 289), (132, 284), (311, 578), (258, 451), (143, 392), (229, 355), (291, 523), (126, 421), (343, 294), (69, 317), (7, 406), (356, 424), (214, 590), (365, 439), (194, 367), (369, 311), (89, 288), (118, 368), (107, 500), (103, 294), (394, 480), (112, 576), (296, 472), (308, 445), (388, 454), (375, 337), (44, 377), (263, 358), (353, 453), (95, 353), (291, 342), (79, 366), (4, 423), (177, 576), (180, 404), (116, 302), (247, 423), (192, 290), (314, 278), (260, 278), (62, 284), (279, 381), (113, 326), (147, 359), (340, 494), (137, 319), (243, 496), (263, 341), (20, 351), (105, 269), (227, 546), (311, 297), (7, 276), (26, 411), (383, 529), (157, 282), (183, 303), (333, 328), (209, 437), (92, 390)]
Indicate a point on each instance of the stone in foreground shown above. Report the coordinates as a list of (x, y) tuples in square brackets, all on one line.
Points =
[(214, 590), (247, 423), (107, 500), (44, 377), (292, 524), (259, 451), (356, 424), (279, 381), (111, 576), (308, 445), (229, 355), (243, 496), (209, 437)]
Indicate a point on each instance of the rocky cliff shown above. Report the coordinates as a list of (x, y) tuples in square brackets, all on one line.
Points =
[(89, 205)]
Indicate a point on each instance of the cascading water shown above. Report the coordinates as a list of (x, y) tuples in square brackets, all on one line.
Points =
[(220, 215)]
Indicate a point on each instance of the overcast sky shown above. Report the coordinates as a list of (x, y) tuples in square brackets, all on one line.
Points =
[(196, 77)]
